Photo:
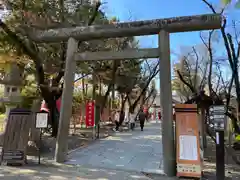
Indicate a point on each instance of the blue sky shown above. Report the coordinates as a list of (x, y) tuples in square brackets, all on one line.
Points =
[(130, 10), (127, 10)]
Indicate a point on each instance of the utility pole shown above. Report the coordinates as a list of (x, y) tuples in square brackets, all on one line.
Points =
[(94, 99), (169, 154)]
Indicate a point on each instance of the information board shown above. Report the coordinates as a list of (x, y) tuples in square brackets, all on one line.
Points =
[(188, 147), (16, 136), (41, 120), (218, 117), (189, 162)]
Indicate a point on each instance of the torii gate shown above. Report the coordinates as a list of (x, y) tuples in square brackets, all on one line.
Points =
[(162, 27)]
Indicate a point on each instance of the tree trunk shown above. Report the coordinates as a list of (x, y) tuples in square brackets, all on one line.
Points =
[(203, 129), (134, 105), (83, 85), (94, 87), (142, 99), (34, 132), (100, 87), (111, 85), (51, 99), (84, 95), (113, 96), (105, 98), (53, 117), (151, 103), (122, 102), (109, 106)]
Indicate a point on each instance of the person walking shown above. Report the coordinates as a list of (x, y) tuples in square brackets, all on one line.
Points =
[(132, 120), (142, 118), (116, 119), (147, 114), (159, 116), (121, 117)]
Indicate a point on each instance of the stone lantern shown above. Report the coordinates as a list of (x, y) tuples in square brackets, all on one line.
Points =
[(12, 89)]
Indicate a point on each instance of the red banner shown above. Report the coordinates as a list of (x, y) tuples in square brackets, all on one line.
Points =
[(90, 114)]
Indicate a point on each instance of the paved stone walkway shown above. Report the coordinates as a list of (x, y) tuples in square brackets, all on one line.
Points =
[(43, 172), (129, 151)]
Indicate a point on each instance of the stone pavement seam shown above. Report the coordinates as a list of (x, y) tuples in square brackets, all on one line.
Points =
[(84, 146), (132, 159)]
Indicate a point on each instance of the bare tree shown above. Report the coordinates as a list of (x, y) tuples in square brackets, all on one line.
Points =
[(220, 89)]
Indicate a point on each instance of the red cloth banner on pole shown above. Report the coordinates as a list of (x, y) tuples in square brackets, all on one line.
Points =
[(90, 114)]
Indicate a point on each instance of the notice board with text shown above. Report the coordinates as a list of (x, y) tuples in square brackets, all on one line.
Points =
[(189, 162)]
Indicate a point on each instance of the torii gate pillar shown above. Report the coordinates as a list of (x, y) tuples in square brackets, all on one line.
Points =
[(169, 159), (66, 105)]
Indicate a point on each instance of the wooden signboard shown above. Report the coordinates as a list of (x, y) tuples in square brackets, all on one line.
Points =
[(16, 136), (189, 161)]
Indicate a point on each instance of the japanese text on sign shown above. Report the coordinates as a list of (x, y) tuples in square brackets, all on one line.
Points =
[(41, 120), (217, 116), (90, 114)]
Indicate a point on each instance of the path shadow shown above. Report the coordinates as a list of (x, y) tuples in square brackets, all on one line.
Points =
[(43, 172)]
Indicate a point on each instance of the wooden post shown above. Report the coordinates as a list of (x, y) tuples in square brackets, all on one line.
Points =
[(203, 129), (169, 154), (66, 106), (94, 86)]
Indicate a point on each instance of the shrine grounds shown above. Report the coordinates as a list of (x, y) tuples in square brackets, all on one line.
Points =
[(128, 155)]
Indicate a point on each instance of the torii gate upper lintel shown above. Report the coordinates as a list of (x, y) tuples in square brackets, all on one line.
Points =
[(136, 28)]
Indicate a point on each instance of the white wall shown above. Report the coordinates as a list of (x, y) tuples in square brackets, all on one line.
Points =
[(157, 99)]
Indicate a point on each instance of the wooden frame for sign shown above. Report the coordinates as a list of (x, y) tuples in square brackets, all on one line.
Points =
[(189, 161)]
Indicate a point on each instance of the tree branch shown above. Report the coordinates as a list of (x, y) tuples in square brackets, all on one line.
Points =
[(185, 82), (17, 41), (196, 67), (153, 74), (63, 54), (209, 47), (210, 6)]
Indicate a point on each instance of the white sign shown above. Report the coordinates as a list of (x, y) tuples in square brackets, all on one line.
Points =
[(218, 116), (217, 137), (217, 108), (41, 120), (188, 147)]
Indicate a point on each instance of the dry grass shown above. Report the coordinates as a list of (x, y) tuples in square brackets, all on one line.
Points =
[(231, 168)]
